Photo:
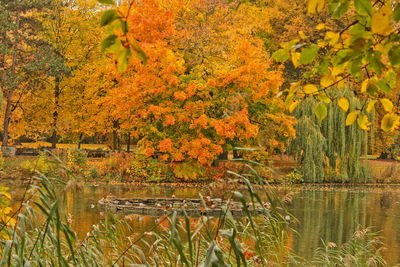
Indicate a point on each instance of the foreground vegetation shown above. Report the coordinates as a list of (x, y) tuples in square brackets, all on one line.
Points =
[(41, 235)]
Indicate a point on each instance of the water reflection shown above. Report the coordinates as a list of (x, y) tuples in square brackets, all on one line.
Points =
[(331, 214)]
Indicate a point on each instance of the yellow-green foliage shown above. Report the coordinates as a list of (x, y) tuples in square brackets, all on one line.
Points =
[(38, 165), (189, 170), (2, 162), (5, 211), (75, 159), (142, 168)]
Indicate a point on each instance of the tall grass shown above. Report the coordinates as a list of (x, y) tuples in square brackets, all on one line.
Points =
[(43, 236)]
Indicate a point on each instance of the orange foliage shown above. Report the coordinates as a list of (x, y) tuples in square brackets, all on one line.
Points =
[(186, 115)]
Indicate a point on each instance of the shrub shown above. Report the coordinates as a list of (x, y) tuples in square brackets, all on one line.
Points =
[(40, 164)]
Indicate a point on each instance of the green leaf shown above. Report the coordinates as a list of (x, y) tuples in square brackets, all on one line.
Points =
[(123, 58), (115, 47), (324, 98), (396, 13), (323, 66), (372, 90), (354, 67), (108, 17), (374, 60), (394, 55), (124, 26), (109, 41), (142, 56), (383, 86), (281, 55), (107, 2), (390, 78), (387, 122), (320, 111), (308, 54), (363, 7), (341, 9)]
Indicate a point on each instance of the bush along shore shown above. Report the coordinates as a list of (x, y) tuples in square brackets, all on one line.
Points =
[(123, 167)]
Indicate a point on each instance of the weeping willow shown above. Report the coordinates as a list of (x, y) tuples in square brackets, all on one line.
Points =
[(330, 150)]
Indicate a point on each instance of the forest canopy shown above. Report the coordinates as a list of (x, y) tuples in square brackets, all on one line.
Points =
[(188, 81)]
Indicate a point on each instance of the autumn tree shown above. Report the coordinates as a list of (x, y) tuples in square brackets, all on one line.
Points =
[(185, 116), (89, 87), (71, 30), (20, 53)]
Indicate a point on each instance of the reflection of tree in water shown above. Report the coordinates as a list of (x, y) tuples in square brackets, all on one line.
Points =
[(333, 216), (386, 200)]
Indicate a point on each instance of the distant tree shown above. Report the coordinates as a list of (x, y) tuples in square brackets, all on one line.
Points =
[(328, 150), (20, 57), (71, 30)]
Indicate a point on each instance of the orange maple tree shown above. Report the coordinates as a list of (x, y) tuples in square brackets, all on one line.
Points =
[(189, 117)]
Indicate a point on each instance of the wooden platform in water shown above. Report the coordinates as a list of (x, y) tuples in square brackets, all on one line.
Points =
[(164, 206)]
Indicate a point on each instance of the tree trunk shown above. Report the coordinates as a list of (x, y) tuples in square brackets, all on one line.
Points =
[(7, 113), (114, 136), (128, 144), (80, 140), (55, 113)]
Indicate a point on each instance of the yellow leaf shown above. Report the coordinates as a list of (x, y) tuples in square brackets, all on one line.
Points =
[(315, 5), (387, 104), (364, 85), (293, 105), (302, 35), (310, 89), (363, 122), (371, 105), (332, 37), (320, 26), (327, 80), (343, 104), (336, 71), (6, 194), (294, 87), (295, 58), (7, 210), (380, 22), (341, 84), (351, 117)]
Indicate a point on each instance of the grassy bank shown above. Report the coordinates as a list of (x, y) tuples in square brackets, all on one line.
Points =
[(122, 167)]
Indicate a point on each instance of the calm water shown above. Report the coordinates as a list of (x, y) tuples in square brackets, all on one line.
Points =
[(325, 213)]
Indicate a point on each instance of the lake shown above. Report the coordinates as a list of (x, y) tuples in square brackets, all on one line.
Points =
[(328, 213)]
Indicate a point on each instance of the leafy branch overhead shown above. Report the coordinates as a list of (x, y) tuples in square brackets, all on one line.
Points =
[(117, 42), (364, 54)]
